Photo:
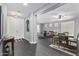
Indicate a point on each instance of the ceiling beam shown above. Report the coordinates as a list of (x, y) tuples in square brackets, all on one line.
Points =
[(52, 7)]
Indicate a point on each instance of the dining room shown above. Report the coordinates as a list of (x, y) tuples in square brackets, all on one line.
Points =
[(61, 28)]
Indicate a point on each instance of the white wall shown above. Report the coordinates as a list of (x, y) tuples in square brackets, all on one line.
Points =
[(3, 20), (31, 36), (68, 27), (15, 27), (76, 26), (27, 35), (61, 26), (53, 27), (3, 23), (33, 29)]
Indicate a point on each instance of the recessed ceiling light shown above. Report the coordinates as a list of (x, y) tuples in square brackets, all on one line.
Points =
[(24, 3)]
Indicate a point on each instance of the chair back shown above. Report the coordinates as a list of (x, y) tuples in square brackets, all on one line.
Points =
[(77, 44), (77, 37), (59, 34), (66, 33)]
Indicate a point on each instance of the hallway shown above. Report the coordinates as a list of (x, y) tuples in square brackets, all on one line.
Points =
[(24, 48)]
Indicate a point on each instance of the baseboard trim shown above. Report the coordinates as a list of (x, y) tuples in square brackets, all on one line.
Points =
[(33, 42), (26, 39)]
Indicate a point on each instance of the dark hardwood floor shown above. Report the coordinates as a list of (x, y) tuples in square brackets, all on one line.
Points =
[(24, 48), (43, 49)]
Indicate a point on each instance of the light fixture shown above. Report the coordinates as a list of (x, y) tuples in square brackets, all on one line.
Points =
[(57, 17), (15, 13), (24, 3), (60, 16)]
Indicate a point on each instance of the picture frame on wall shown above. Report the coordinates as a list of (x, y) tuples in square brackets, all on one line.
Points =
[(27, 24)]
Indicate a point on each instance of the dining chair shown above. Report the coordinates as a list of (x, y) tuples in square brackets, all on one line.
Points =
[(74, 43), (73, 39), (62, 39)]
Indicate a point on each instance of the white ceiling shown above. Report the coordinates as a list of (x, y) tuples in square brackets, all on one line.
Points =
[(68, 11), (25, 10)]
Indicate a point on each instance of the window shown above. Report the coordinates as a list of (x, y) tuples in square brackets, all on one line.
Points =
[(55, 27), (68, 27), (50, 25), (46, 25), (38, 28)]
